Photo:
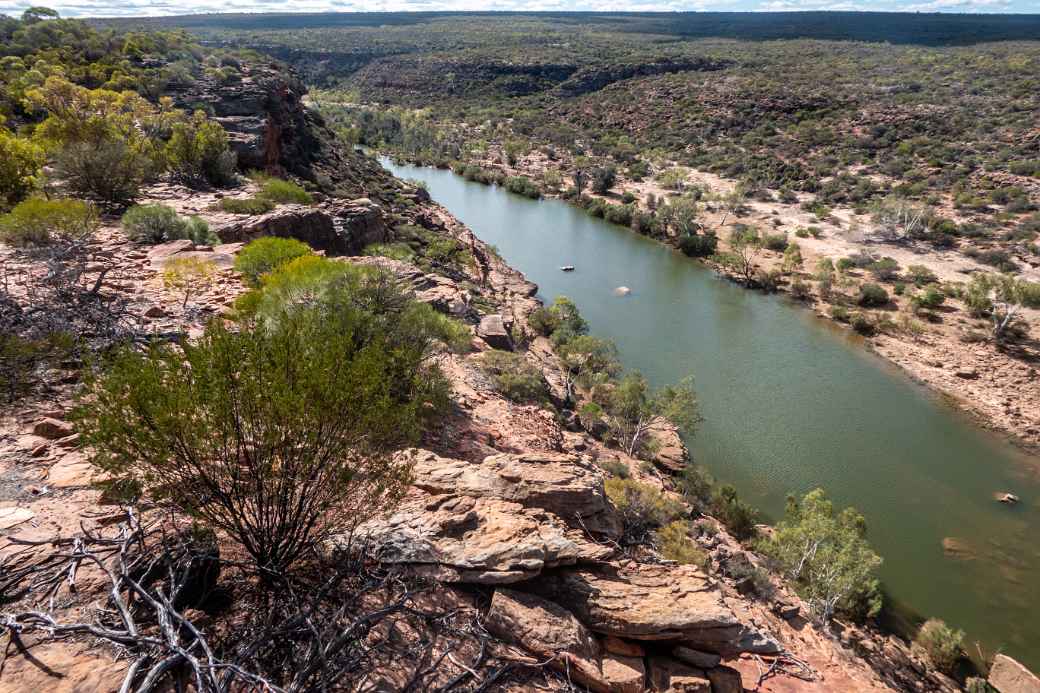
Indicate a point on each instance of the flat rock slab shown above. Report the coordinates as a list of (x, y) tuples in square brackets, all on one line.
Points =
[(563, 484), (12, 517), (646, 602), (1009, 676)]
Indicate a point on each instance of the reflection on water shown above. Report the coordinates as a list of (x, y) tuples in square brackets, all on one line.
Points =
[(790, 406)]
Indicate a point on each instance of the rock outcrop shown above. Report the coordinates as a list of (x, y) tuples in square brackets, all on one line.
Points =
[(647, 602), (550, 632), (500, 522), (1008, 676), (271, 129), (338, 227)]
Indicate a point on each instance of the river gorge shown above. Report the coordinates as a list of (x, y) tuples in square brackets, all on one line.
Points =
[(791, 403)]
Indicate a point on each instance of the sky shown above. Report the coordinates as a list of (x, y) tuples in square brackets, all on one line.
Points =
[(124, 8)]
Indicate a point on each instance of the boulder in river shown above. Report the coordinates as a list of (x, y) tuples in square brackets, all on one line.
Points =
[(1009, 676), (622, 291)]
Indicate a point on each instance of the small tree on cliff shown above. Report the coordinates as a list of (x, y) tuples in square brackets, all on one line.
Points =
[(632, 408), (279, 432), (827, 556), (583, 357)]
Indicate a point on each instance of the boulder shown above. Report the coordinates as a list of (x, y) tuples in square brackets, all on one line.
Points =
[(549, 631), (340, 228), (562, 484), (647, 602), (671, 453), (53, 429), (492, 329), (485, 541), (1009, 676)]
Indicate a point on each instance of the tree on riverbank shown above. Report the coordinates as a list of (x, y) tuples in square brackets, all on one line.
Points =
[(826, 555)]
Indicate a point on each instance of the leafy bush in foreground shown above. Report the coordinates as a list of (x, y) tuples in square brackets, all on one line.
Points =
[(265, 254), (278, 431)]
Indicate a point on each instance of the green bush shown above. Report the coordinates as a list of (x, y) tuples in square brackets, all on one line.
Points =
[(245, 205), (515, 377), (921, 275), (522, 185), (775, 241), (282, 191), (20, 165), (38, 222), (110, 170), (674, 542), (198, 151), (285, 424), (156, 223), (941, 643), (265, 254), (643, 508), (827, 556), (614, 467), (872, 295), (703, 245), (886, 269), (738, 516)]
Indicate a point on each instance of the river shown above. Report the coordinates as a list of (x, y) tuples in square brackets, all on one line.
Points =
[(791, 403)]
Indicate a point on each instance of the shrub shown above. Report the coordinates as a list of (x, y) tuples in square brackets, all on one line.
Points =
[(394, 251), (704, 245), (931, 299), (941, 643), (618, 214), (696, 484), (643, 508), (603, 179), (738, 516), (37, 222), (152, 223), (674, 542), (294, 417), (921, 275), (265, 254), (827, 556), (872, 295), (198, 151), (522, 185), (245, 205), (282, 191), (515, 377), (863, 325), (885, 269), (614, 467), (800, 290), (110, 170), (20, 164), (775, 241), (543, 321), (21, 360)]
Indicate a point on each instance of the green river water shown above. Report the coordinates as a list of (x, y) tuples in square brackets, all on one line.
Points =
[(791, 403)]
